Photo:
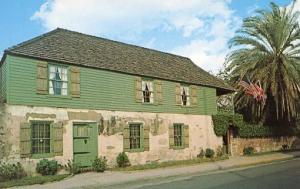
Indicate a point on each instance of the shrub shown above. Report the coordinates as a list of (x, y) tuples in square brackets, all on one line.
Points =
[(72, 167), (47, 167), (11, 171), (220, 151), (284, 147), (99, 164), (246, 130), (201, 154), (122, 160), (221, 122), (209, 153), (248, 150)]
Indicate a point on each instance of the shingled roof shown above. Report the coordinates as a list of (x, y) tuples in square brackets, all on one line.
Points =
[(71, 47)]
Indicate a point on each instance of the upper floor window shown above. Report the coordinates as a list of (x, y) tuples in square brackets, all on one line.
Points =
[(58, 80), (148, 93), (185, 95)]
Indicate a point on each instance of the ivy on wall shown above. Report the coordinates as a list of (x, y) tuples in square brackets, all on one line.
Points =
[(247, 130)]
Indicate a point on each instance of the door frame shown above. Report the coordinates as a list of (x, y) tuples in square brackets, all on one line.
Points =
[(87, 123)]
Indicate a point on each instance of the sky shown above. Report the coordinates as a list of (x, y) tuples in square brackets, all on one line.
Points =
[(198, 29)]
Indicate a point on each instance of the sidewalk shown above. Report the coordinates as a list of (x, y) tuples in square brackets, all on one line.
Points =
[(110, 178)]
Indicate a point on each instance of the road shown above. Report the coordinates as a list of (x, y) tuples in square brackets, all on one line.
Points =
[(283, 175), (278, 175)]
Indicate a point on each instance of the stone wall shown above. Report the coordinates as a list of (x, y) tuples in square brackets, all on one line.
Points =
[(263, 144), (110, 139), (2, 136)]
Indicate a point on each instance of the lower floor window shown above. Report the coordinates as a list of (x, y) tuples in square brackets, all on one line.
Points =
[(135, 136), (40, 136), (178, 135)]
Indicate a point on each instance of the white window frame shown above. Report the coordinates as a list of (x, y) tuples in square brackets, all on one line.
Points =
[(149, 83), (187, 90), (63, 71)]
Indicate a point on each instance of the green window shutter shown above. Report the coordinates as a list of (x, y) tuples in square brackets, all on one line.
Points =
[(25, 140), (178, 94), (42, 78), (126, 140), (57, 138), (158, 88), (186, 135), (75, 81), (171, 136), (194, 97), (138, 89), (146, 138)]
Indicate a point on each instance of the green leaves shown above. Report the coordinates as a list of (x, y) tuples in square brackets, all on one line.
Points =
[(246, 130), (47, 167), (267, 48)]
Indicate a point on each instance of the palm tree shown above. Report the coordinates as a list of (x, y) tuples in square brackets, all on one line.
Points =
[(267, 49)]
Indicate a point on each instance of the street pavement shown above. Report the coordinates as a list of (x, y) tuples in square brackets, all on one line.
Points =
[(160, 177), (283, 175)]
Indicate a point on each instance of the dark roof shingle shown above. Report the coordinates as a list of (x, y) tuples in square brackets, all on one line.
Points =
[(76, 48)]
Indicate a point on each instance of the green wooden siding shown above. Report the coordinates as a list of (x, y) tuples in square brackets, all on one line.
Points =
[(99, 89), (3, 80)]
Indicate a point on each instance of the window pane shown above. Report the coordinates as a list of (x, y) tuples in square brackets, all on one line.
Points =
[(185, 96), (52, 69), (40, 138), (134, 136), (58, 80), (147, 89), (177, 135)]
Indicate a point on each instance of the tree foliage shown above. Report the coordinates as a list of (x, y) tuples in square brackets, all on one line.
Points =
[(267, 48)]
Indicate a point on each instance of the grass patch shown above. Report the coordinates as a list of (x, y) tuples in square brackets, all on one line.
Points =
[(32, 180), (155, 165)]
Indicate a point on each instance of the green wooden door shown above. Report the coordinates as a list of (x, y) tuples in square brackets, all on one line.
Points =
[(85, 143)]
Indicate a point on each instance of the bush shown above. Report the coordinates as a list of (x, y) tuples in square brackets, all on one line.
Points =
[(220, 151), (209, 153), (221, 122), (247, 130), (47, 167), (122, 160), (99, 164), (72, 167), (11, 171), (201, 154), (248, 150), (284, 147)]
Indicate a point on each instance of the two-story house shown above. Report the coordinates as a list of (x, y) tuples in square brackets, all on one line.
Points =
[(67, 95)]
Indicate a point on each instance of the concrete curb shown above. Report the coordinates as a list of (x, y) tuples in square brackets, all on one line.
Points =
[(118, 179), (207, 171)]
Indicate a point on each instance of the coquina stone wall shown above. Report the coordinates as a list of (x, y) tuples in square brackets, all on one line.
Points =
[(263, 144), (2, 136), (110, 138)]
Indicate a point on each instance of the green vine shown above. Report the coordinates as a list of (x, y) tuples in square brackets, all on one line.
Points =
[(246, 130)]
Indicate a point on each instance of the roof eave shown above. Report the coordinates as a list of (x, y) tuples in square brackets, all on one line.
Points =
[(3, 57), (222, 91)]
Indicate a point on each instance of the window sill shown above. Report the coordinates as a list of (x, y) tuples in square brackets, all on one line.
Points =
[(178, 147), (182, 106), (59, 96), (149, 104), (39, 156), (135, 150)]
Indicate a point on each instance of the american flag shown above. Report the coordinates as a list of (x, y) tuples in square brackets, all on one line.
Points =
[(255, 90)]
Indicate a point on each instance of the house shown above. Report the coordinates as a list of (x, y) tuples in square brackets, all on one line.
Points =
[(67, 95)]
